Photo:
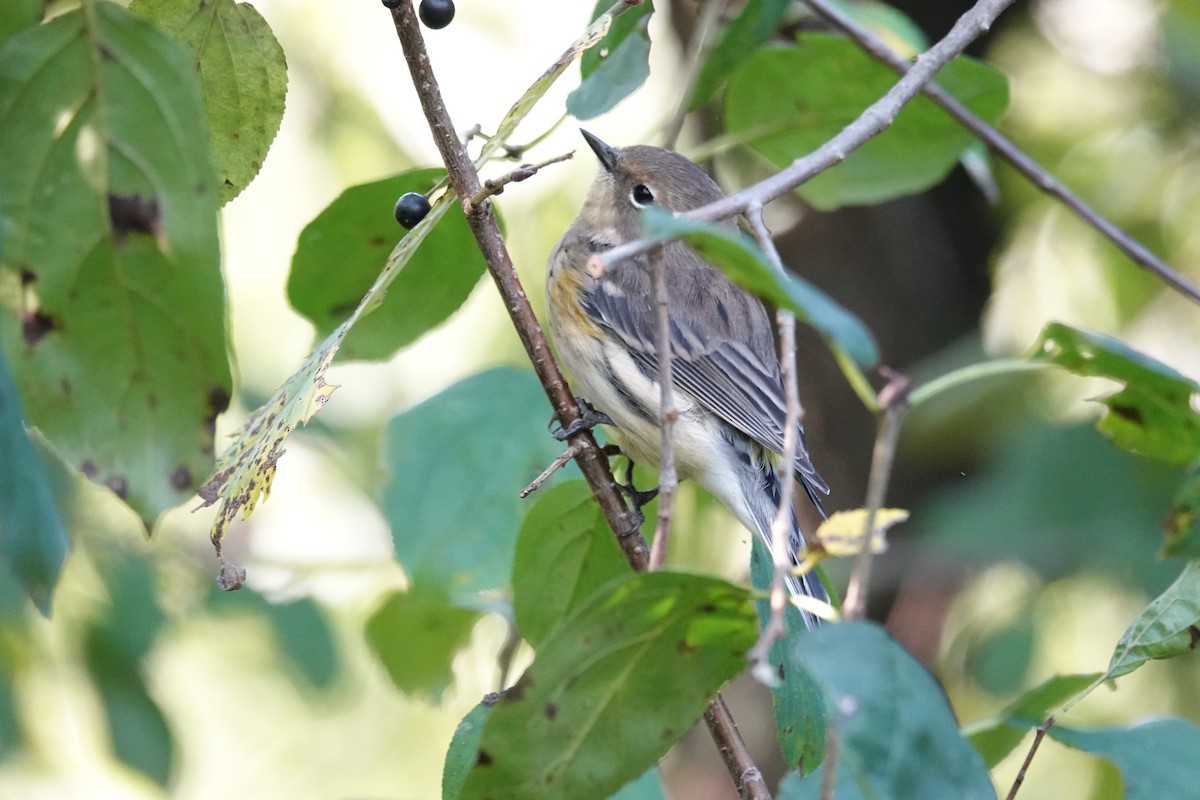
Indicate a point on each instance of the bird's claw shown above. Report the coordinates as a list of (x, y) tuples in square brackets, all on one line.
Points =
[(589, 418)]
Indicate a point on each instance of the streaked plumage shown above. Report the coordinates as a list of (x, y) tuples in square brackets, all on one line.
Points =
[(727, 384)]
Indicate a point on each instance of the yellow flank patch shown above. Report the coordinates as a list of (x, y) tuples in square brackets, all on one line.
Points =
[(565, 289)]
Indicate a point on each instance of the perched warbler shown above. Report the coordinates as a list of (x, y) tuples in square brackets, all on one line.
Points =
[(727, 387)]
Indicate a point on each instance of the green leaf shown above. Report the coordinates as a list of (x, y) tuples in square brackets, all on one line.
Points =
[(996, 736), (115, 649), (242, 73), (1157, 759), (746, 265), (17, 15), (613, 688), (797, 699), (457, 463), (615, 69), (111, 275), (1182, 525), (464, 748), (415, 634), (758, 20), (33, 538), (1152, 416), (303, 635), (1168, 627), (565, 551), (791, 100), (341, 252), (897, 735)]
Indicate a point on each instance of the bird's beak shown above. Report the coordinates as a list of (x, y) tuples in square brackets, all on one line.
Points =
[(606, 154)]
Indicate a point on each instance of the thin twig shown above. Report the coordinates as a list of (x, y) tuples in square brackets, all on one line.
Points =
[(464, 180), (870, 123), (829, 764), (592, 462), (1038, 735), (1004, 147), (893, 402), (523, 172), (703, 39), (668, 479), (781, 526), (747, 778), (573, 449)]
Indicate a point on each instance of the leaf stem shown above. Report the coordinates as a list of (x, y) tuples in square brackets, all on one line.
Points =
[(973, 372)]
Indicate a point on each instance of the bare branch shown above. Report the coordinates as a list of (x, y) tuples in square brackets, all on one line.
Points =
[(573, 449), (870, 123), (1039, 734), (668, 479), (1005, 149), (464, 180), (523, 172), (747, 778), (703, 39), (893, 404), (781, 527)]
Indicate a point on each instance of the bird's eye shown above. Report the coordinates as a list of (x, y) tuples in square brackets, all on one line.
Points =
[(641, 195)]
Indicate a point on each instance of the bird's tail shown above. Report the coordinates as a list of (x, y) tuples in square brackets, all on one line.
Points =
[(763, 503)]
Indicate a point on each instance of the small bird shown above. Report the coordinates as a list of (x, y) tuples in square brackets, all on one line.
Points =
[(727, 387)]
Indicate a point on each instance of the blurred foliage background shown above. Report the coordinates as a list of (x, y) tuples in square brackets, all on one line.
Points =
[(1032, 542)]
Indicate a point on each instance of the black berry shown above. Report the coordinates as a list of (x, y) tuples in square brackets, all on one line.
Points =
[(392, 3), (436, 14), (411, 208)]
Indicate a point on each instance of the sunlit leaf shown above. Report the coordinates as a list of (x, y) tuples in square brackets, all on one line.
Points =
[(1157, 759), (790, 100), (341, 252), (1168, 627), (243, 75), (615, 69), (464, 749), (997, 736), (457, 463), (565, 551), (1152, 416), (613, 688), (415, 634), (33, 538), (246, 469), (897, 736), (744, 262), (111, 273)]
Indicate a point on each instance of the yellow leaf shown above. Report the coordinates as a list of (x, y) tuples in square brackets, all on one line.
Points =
[(842, 534)]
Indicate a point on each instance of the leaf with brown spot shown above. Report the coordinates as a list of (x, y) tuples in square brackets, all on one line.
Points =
[(111, 209), (243, 78), (1164, 629), (610, 724), (1152, 415)]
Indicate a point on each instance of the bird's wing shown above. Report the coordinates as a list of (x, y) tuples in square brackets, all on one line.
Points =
[(722, 345)]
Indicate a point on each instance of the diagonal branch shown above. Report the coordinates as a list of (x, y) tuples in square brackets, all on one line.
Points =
[(1005, 149), (464, 180), (870, 123)]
